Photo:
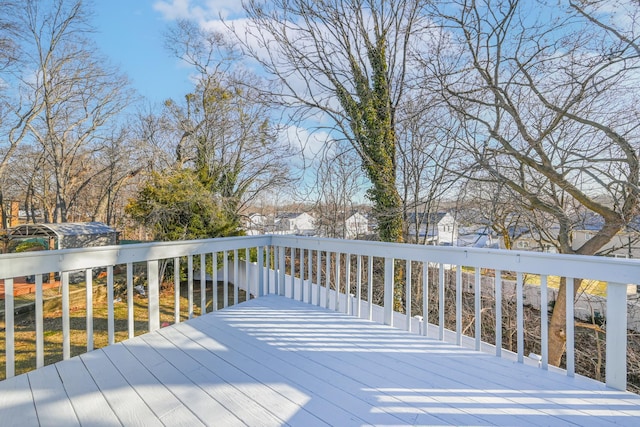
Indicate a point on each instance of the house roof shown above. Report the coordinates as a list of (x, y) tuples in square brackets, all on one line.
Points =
[(594, 222), (424, 218), (290, 215)]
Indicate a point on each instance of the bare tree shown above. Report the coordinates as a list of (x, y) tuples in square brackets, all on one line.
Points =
[(9, 34), (81, 95), (224, 128), (494, 204), (121, 162), (348, 61), (427, 161), (338, 184), (16, 110), (550, 103)]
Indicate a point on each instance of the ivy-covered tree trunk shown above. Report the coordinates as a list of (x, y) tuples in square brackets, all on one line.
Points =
[(373, 127), (357, 53)]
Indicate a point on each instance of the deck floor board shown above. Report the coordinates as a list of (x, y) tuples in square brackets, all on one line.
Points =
[(130, 408), (273, 361), (88, 402), (50, 398), (16, 402)]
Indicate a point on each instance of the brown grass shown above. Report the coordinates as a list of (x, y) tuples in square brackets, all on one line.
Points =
[(25, 335)]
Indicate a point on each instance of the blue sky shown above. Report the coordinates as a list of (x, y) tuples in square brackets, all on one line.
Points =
[(129, 32)]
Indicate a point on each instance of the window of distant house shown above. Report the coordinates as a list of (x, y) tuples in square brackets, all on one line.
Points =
[(522, 244)]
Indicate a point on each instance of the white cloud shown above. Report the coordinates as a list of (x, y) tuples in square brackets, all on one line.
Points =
[(174, 9), (308, 144), (199, 10), (228, 9)]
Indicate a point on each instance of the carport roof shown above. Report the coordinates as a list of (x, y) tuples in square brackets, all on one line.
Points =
[(60, 230)]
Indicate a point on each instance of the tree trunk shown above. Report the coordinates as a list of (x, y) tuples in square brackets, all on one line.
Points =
[(388, 211), (558, 326)]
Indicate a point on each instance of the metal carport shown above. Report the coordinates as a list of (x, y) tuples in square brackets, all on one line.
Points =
[(68, 235)]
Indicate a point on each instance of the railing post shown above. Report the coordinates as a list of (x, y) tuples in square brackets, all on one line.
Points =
[(176, 288), (425, 298), (478, 306), (347, 283), (247, 274), (407, 293), (261, 261), (318, 277), (459, 304), (111, 329), (268, 253), (359, 284), (388, 291), (214, 281), (39, 323), (370, 286), (236, 273), (153, 288), (327, 279), (441, 305), (190, 285), (292, 270), (225, 279), (544, 322), (66, 328), (570, 328), (616, 368), (310, 276), (130, 312), (88, 277), (336, 304), (282, 271), (9, 324), (498, 293), (203, 283), (520, 317), (302, 293)]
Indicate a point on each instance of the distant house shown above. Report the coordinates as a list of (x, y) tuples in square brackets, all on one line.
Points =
[(478, 237), (301, 224), (625, 244), (255, 224), (355, 225), (433, 229)]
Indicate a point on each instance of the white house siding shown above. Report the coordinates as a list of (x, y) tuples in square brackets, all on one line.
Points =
[(356, 225), (301, 223), (443, 229)]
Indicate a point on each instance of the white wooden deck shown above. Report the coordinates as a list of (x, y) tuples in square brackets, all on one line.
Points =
[(274, 361)]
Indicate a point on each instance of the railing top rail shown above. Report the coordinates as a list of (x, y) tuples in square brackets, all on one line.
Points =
[(28, 263), (602, 268), (590, 267)]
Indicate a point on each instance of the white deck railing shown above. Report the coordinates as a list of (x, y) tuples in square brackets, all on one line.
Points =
[(305, 269)]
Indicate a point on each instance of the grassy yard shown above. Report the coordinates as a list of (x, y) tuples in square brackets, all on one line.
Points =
[(593, 287), (25, 323)]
